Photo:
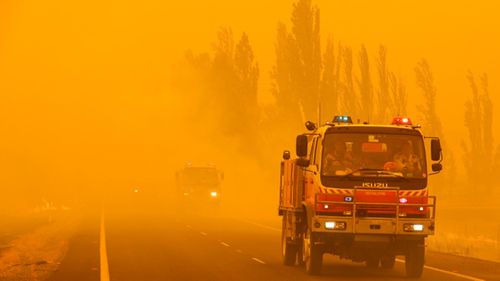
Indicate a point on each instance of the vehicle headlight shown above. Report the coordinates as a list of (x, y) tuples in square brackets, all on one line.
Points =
[(337, 225), (213, 193), (413, 227), (330, 225)]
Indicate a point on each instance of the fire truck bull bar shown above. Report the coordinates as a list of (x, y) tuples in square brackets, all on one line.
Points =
[(394, 224)]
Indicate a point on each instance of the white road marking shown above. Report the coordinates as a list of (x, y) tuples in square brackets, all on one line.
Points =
[(259, 261), (260, 225), (224, 244), (399, 260), (103, 252), (447, 272), (203, 233)]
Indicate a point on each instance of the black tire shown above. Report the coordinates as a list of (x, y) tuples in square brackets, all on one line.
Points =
[(387, 262), (312, 254), (288, 250), (414, 260), (373, 262), (300, 254)]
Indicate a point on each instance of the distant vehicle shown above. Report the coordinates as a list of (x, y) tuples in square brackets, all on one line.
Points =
[(358, 191), (200, 184), (141, 195)]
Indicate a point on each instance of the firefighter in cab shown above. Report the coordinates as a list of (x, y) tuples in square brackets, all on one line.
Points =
[(339, 161)]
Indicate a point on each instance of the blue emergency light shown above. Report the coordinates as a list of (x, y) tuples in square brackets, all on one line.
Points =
[(348, 199), (342, 119)]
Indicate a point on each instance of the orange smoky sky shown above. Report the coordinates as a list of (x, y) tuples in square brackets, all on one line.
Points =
[(84, 84)]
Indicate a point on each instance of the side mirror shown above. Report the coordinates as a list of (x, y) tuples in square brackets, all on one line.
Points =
[(301, 146), (436, 167), (435, 150), (286, 155), (310, 126), (302, 162)]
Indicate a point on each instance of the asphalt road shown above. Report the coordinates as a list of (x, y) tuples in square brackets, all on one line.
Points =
[(210, 245)]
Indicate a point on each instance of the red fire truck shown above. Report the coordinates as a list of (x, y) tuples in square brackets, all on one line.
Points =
[(199, 184), (359, 191)]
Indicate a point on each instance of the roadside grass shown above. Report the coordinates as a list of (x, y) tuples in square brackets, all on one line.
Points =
[(36, 253)]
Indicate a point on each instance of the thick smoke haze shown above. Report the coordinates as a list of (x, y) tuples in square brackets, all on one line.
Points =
[(91, 103)]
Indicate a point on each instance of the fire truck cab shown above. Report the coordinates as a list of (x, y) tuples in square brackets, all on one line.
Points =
[(359, 191), (199, 184)]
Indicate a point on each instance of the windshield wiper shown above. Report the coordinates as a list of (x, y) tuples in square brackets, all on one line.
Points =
[(374, 171), (396, 174), (360, 170)]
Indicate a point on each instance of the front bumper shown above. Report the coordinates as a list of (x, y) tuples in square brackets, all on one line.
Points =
[(367, 225)]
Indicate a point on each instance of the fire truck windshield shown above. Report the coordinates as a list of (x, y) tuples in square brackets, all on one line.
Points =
[(200, 176), (373, 155)]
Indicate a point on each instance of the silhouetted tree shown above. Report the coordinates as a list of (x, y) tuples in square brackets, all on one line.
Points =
[(284, 74), (479, 151), (365, 87), (297, 71), (329, 82), (385, 102), (432, 125), (349, 101), (247, 74), (306, 32), (191, 79), (399, 96), (228, 89), (225, 82), (487, 121), (428, 111)]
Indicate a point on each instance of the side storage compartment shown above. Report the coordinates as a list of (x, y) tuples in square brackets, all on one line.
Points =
[(291, 186), (290, 208)]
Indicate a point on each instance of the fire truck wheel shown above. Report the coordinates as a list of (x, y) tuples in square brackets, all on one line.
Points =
[(300, 254), (414, 261), (372, 262), (312, 254), (289, 253), (288, 250), (388, 261)]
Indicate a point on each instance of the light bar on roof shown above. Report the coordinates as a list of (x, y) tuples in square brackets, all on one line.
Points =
[(401, 121), (342, 119)]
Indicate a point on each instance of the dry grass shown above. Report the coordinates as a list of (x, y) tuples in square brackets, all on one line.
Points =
[(33, 256)]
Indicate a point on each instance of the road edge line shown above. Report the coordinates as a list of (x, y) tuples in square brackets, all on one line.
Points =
[(259, 224), (258, 260), (448, 272), (103, 253)]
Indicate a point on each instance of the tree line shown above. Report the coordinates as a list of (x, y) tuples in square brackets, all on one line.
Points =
[(311, 82)]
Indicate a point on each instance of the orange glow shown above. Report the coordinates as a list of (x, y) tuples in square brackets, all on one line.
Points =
[(101, 98)]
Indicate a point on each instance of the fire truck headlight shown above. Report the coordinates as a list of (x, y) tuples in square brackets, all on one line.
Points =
[(410, 227), (418, 227), (213, 194), (330, 225), (337, 225)]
